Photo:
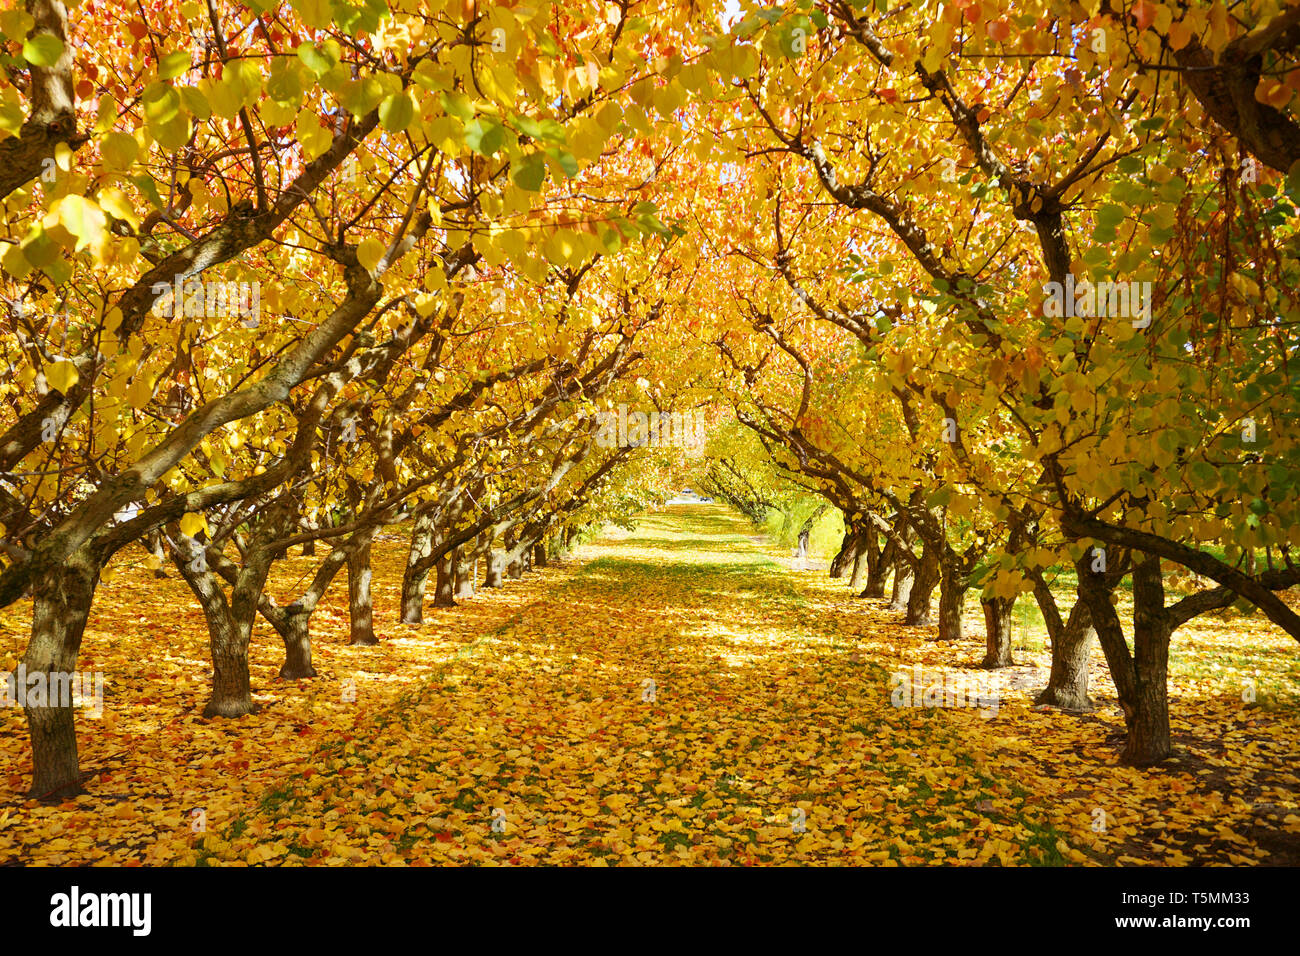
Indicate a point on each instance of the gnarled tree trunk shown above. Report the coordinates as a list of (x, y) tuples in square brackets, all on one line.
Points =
[(847, 554), (1067, 686), (904, 565), (360, 603), (418, 565), (61, 605), (231, 688), (296, 634), (952, 597), (1141, 677), (230, 623), (923, 585), (444, 594), (492, 568), (465, 568), (861, 564), (901, 594), (997, 632), (878, 566)]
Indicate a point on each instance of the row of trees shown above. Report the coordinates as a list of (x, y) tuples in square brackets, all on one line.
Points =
[(280, 275), (1006, 297)]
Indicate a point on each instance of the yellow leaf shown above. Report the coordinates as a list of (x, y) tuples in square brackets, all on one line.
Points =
[(115, 201), (369, 253), (62, 376), (192, 524), (83, 218)]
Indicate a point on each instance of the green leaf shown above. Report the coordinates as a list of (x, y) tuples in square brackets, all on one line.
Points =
[(940, 497), (396, 112), (119, 150), (196, 103), (612, 240), (531, 173), (317, 60), (147, 186), (458, 105), (174, 64), (361, 96), (565, 159), (172, 134), (1109, 218), (484, 136), (794, 38), (44, 49), (543, 130), (161, 102), (284, 85), (1205, 477), (1110, 215)]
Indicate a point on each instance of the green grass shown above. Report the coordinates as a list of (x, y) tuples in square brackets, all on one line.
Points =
[(824, 539)]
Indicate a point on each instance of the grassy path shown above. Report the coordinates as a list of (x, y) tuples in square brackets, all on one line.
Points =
[(676, 694), (680, 697)]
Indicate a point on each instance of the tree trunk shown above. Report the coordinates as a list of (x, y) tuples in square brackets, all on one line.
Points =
[(847, 553), (1146, 713), (293, 623), (902, 590), (904, 565), (923, 585), (878, 567), (1146, 709), (416, 576), (514, 567), (61, 605), (296, 635), (309, 548), (230, 627), (444, 594), (1067, 687), (861, 565), (492, 569), (952, 597), (1141, 677), (539, 555), (465, 577), (231, 690), (997, 632), (360, 603)]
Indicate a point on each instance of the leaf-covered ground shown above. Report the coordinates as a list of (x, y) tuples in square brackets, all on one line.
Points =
[(678, 694)]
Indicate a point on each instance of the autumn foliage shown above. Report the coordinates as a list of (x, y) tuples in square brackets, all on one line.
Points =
[(313, 311)]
